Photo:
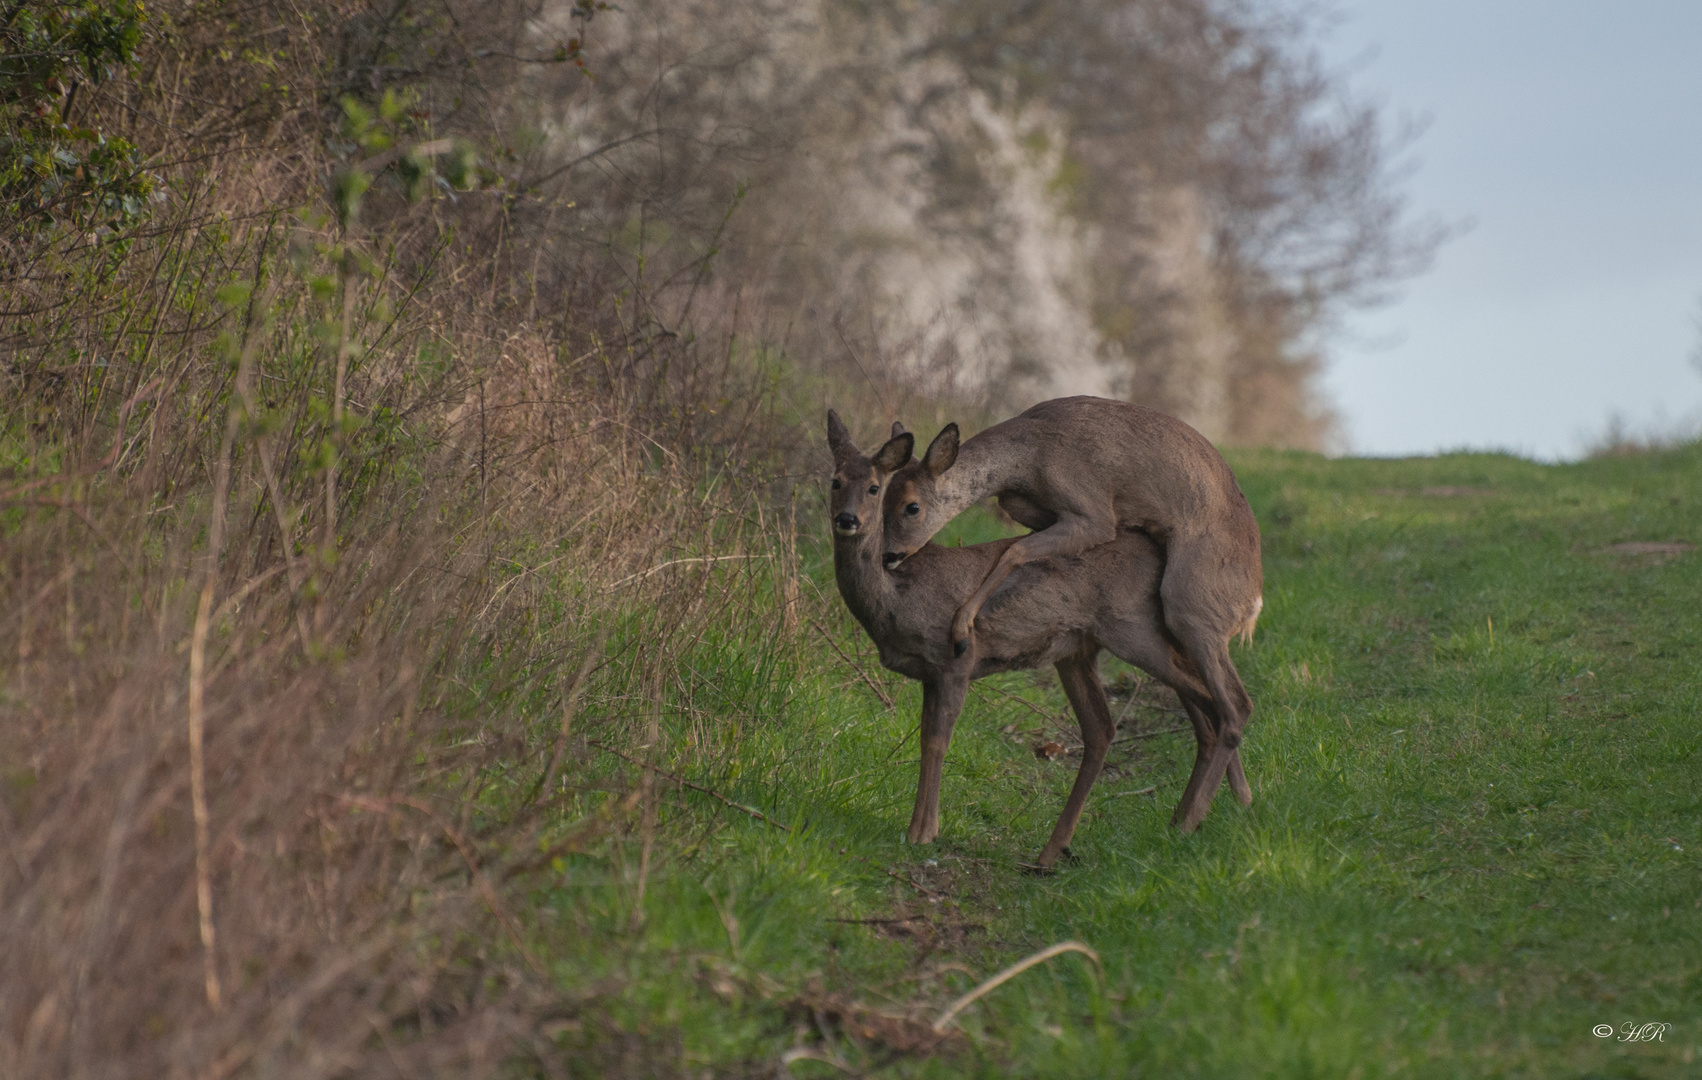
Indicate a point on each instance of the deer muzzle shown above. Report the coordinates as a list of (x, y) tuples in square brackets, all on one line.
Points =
[(846, 524)]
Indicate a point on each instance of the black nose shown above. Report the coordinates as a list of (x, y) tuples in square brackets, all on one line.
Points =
[(846, 523), (892, 559)]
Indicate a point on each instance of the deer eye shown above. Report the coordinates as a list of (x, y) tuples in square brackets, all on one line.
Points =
[(913, 509), (874, 489), (836, 483)]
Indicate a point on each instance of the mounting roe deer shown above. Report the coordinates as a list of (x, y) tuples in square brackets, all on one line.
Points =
[(1059, 611), (1077, 469)]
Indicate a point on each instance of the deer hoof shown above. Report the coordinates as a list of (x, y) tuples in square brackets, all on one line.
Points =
[(1243, 793), (1190, 821)]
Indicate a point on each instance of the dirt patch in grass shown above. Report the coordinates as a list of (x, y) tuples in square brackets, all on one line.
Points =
[(903, 1032), (1649, 550)]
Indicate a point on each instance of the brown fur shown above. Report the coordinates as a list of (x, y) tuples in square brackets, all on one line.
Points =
[(1057, 610), (1077, 470)]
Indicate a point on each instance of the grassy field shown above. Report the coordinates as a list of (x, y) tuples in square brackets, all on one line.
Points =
[(1475, 834)]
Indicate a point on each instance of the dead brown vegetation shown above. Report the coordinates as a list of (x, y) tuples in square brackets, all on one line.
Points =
[(306, 518)]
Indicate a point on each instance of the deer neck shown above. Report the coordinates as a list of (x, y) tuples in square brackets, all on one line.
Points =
[(981, 470), (868, 590)]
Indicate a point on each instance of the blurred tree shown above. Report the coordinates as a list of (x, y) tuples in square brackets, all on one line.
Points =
[(1168, 200)]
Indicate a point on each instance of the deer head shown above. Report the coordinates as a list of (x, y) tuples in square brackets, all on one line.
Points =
[(854, 502), (911, 500)]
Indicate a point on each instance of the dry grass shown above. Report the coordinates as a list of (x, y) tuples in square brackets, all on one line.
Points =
[(359, 695), (304, 530)]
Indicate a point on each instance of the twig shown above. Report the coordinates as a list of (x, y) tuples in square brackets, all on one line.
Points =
[(1012, 972), (805, 1053), (494, 902), (99, 535), (146, 390), (569, 706), (198, 792), (913, 883), (896, 876), (231, 602), (839, 329), (880, 691), (283, 1016), (683, 782), (1142, 791), (1148, 735), (1074, 750), (587, 829), (47, 590), (397, 153), (682, 562), (582, 158), (1037, 710), (1128, 703), (647, 793)]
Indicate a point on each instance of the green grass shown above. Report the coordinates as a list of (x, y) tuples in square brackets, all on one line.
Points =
[(1475, 836)]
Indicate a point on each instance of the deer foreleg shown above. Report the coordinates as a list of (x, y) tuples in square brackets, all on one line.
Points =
[(1072, 535), (942, 701), (1081, 684)]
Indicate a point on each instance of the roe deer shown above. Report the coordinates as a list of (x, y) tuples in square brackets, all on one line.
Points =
[(1060, 611), (1076, 470)]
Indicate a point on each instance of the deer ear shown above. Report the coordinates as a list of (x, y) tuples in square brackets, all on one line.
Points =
[(839, 438), (897, 429), (942, 452), (895, 455)]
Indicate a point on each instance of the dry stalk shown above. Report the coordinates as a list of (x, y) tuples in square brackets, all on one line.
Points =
[(468, 855), (1012, 972), (198, 794), (683, 562), (569, 705), (880, 691), (683, 782), (198, 678), (652, 737), (1054, 718)]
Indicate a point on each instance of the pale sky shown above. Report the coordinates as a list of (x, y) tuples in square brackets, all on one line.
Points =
[(1569, 135)]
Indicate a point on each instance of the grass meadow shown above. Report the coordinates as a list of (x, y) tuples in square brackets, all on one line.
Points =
[(1474, 842)]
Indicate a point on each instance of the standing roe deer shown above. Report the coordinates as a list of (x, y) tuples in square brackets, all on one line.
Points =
[(1059, 611), (1075, 470)]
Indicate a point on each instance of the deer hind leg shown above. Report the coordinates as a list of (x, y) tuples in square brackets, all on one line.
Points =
[(1202, 714), (942, 701), (1070, 535), (1143, 640), (1238, 780), (1232, 707), (1209, 592), (1080, 677)]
